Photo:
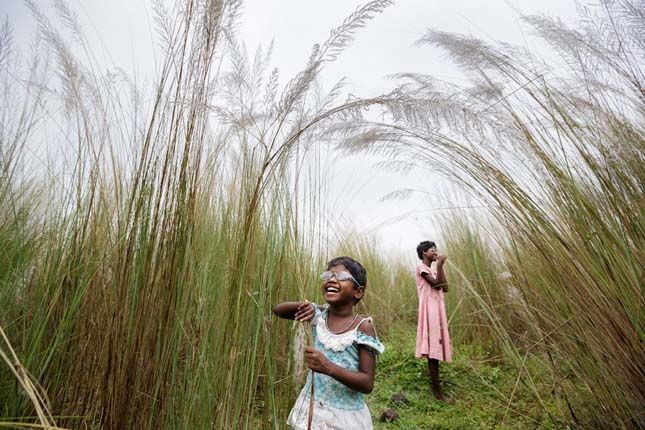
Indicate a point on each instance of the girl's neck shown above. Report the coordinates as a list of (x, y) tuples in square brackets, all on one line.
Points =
[(427, 261), (341, 311)]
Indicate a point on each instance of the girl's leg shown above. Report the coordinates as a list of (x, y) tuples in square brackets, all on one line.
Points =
[(433, 368)]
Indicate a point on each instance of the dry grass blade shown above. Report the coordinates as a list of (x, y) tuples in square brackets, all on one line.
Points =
[(32, 390)]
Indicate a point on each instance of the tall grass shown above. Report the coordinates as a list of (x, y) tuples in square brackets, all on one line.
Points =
[(138, 289), (555, 148), (390, 297), (138, 276)]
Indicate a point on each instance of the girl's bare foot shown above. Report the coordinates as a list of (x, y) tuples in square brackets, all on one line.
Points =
[(439, 396)]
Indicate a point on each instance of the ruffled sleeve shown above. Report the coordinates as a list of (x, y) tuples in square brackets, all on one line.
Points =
[(318, 311), (372, 343)]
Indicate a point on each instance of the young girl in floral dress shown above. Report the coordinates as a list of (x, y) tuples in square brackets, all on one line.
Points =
[(343, 356)]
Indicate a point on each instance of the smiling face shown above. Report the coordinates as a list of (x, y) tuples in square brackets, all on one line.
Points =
[(341, 292)]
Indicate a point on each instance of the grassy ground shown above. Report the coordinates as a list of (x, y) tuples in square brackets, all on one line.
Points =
[(481, 389)]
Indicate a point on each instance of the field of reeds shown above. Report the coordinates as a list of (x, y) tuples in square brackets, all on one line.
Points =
[(146, 233), (555, 149)]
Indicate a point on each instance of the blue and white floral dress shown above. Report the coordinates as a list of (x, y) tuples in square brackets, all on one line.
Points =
[(336, 407)]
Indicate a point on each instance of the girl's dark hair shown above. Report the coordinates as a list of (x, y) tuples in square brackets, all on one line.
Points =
[(423, 247), (355, 268)]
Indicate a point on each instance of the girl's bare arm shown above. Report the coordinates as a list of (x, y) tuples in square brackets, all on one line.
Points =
[(434, 283), (440, 282), (299, 311)]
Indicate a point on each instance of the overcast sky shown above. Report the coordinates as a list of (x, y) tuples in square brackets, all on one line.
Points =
[(121, 32)]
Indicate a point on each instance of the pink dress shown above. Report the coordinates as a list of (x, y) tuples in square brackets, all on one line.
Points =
[(433, 339)]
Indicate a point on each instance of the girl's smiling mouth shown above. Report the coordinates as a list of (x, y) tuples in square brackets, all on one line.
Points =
[(332, 290)]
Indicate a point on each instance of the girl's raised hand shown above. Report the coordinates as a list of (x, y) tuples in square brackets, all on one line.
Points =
[(317, 361), (305, 312)]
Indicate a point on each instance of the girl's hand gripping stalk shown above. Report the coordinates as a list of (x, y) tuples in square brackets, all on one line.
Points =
[(317, 361), (305, 312)]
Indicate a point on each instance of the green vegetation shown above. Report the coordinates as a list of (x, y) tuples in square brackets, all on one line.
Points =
[(137, 275), (553, 148), (487, 392)]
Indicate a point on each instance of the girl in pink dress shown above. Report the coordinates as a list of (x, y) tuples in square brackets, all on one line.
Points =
[(433, 339)]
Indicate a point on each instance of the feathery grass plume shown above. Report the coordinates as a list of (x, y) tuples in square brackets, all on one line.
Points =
[(151, 269), (555, 150), (6, 39), (299, 344), (269, 140), (109, 270)]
